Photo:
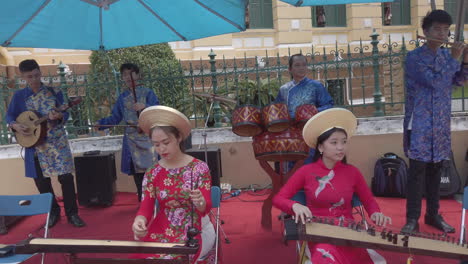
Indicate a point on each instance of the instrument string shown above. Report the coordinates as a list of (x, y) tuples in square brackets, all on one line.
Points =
[(387, 231)]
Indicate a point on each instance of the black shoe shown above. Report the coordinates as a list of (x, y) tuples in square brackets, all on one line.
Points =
[(439, 223), (412, 226), (53, 219), (76, 221)]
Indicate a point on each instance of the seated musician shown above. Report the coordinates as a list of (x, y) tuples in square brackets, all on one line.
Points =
[(179, 183), (329, 184)]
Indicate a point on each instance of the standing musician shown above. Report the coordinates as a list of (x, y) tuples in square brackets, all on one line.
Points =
[(302, 90), (52, 157), (137, 150), (179, 184), (329, 184), (430, 73)]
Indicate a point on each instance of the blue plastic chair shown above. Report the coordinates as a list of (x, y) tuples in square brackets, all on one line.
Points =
[(24, 205), (215, 203)]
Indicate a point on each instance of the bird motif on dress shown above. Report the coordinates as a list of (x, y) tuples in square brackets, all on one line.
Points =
[(323, 181), (326, 254), (337, 204)]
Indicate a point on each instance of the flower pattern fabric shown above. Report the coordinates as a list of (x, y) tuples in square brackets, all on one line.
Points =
[(306, 91), (137, 149), (54, 154), (170, 225), (429, 79)]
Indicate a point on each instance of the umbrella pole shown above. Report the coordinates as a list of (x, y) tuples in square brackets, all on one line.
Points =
[(117, 87), (459, 25)]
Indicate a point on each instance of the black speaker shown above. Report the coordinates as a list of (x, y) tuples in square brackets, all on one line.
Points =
[(95, 178), (214, 161)]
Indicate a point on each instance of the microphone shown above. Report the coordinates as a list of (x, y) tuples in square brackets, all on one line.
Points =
[(234, 194)]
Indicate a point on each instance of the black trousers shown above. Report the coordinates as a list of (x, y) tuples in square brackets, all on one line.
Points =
[(44, 185), (138, 178), (419, 173)]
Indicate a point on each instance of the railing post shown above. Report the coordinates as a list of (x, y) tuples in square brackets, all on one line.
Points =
[(214, 83), (61, 72), (375, 65)]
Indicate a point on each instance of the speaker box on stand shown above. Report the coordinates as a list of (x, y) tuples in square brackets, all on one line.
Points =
[(214, 161), (95, 178)]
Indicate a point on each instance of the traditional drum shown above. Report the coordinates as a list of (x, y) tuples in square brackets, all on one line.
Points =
[(275, 117), (304, 113), (282, 146), (247, 121)]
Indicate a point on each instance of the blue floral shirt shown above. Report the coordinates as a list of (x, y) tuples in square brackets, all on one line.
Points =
[(306, 91), (137, 150), (429, 78)]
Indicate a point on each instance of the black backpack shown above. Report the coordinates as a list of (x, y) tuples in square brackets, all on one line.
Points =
[(390, 176), (450, 182)]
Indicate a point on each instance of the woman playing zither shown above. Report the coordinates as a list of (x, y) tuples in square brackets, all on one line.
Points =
[(179, 184), (329, 184)]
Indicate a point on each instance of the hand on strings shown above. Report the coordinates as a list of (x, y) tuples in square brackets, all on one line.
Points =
[(139, 106), (198, 200), (139, 227), (20, 128), (380, 219), (54, 115), (301, 212), (457, 50)]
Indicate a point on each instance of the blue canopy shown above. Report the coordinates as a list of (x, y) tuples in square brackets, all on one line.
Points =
[(330, 2), (111, 24)]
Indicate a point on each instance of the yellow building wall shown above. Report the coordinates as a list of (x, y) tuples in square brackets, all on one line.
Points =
[(292, 32)]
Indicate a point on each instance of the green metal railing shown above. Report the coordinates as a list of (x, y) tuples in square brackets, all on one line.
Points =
[(367, 79)]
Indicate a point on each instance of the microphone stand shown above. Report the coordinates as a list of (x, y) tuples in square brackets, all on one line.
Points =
[(204, 135)]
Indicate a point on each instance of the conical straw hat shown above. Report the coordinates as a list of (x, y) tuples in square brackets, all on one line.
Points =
[(326, 120), (164, 116)]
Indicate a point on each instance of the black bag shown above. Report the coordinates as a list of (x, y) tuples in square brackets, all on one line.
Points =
[(450, 182), (390, 176)]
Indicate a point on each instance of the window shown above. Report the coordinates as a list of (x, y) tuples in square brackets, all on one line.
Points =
[(396, 13), (451, 7), (259, 14), (329, 16)]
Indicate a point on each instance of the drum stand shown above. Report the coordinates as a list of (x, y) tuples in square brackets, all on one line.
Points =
[(277, 180), (205, 146)]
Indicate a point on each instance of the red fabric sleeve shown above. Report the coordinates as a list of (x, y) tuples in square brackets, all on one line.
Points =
[(364, 193), (204, 184), (282, 200), (147, 203)]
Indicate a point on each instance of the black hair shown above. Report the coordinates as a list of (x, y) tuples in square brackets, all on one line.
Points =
[(129, 66), (291, 59), (322, 138), (28, 65), (439, 16), (171, 130)]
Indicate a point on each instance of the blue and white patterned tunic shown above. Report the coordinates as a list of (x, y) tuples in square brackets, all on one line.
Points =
[(137, 149), (429, 78), (306, 91), (54, 153)]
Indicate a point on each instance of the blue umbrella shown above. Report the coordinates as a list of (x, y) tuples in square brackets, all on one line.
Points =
[(111, 24), (330, 2)]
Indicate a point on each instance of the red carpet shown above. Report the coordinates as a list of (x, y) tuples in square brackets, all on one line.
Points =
[(249, 242)]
